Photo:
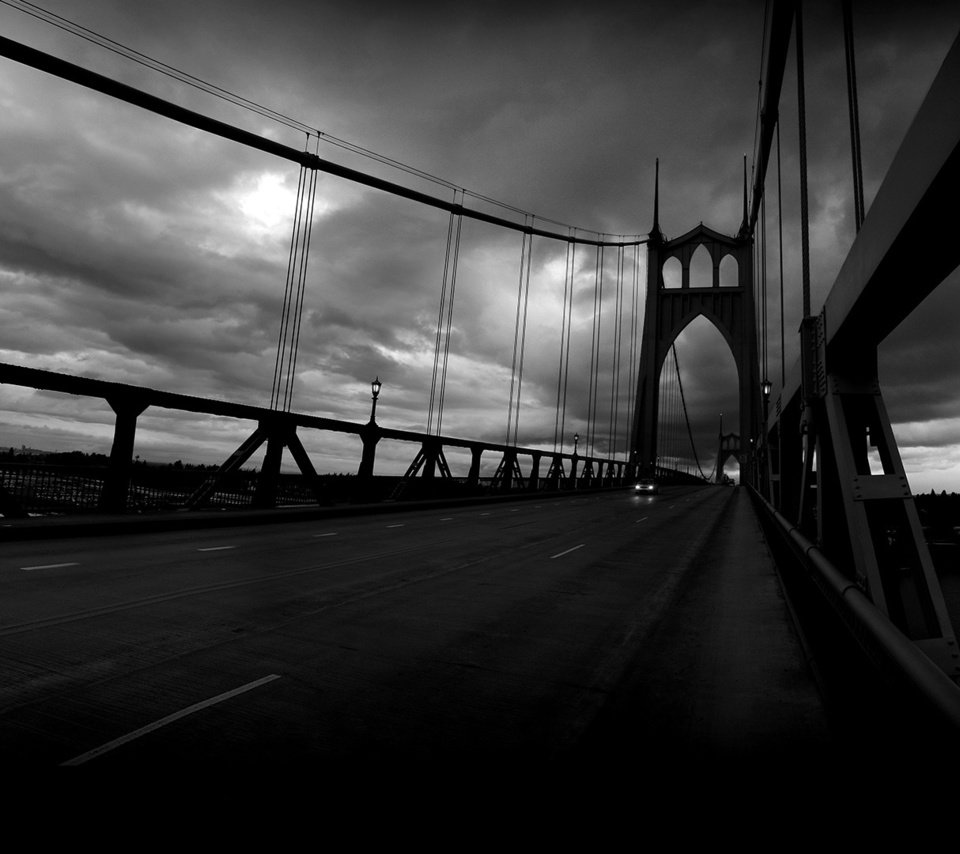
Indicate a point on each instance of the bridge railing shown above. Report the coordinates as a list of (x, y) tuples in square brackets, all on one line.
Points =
[(123, 484), (912, 666)]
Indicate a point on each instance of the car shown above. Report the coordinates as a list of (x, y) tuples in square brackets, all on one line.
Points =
[(646, 486)]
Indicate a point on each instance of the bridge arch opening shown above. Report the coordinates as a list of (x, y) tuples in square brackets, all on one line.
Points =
[(710, 383), (672, 273), (701, 268), (729, 272)]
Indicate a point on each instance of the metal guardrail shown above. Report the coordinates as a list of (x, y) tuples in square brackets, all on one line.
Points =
[(883, 642)]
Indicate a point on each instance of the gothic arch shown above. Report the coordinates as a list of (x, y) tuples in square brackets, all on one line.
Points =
[(671, 335), (670, 310)]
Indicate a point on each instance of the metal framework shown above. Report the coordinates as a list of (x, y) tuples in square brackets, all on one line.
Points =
[(833, 468)]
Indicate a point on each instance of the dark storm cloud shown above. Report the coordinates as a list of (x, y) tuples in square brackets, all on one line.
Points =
[(132, 248)]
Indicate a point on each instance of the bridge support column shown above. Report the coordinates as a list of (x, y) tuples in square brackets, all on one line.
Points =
[(866, 517), (473, 476), (370, 435), (586, 478), (507, 472), (113, 499), (555, 473), (265, 497), (534, 484)]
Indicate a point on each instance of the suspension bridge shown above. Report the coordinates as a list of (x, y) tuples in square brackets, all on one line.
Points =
[(823, 492)]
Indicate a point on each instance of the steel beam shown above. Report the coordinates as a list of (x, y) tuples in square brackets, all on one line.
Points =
[(779, 26), (97, 82)]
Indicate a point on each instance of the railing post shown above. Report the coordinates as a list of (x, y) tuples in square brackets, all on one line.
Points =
[(113, 498)]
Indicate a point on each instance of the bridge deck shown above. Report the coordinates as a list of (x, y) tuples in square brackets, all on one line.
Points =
[(597, 630), (725, 676)]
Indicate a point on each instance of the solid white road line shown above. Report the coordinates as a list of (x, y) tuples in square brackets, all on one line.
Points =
[(561, 554), (332, 534), (47, 566), (196, 707), (216, 548), (395, 526)]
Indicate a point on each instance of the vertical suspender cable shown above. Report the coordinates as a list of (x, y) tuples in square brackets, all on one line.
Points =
[(783, 354), (288, 342), (288, 288), (859, 209), (686, 417), (802, 116), (523, 340), (443, 297), (519, 334), (763, 278), (617, 341), (449, 329), (634, 326), (301, 289), (564, 343), (595, 351), (566, 358)]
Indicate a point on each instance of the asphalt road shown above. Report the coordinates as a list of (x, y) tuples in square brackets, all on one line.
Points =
[(510, 633), (435, 631)]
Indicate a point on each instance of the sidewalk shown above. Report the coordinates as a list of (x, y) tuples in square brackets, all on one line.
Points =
[(723, 677)]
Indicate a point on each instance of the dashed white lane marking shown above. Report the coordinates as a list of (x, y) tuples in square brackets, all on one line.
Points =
[(189, 710), (644, 519), (484, 514), (447, 519), (216, 548), (561, 554), (395, 526), (331, 534), (47, 566)]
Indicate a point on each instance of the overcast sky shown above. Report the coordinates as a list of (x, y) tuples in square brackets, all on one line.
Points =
[(139, 250)]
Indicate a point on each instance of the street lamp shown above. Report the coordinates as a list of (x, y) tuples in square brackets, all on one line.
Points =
[(576, 439), (375, 387), (766, 387)]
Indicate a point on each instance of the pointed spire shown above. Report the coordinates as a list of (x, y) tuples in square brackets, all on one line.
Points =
[(745, 225), (655, 232)]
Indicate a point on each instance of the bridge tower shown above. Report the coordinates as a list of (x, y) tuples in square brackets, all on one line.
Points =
[(728, 445), (730, 309)]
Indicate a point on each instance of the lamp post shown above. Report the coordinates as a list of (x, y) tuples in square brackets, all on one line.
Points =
[(765, 387), (369, 435), (573, 464), (375, 387)]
